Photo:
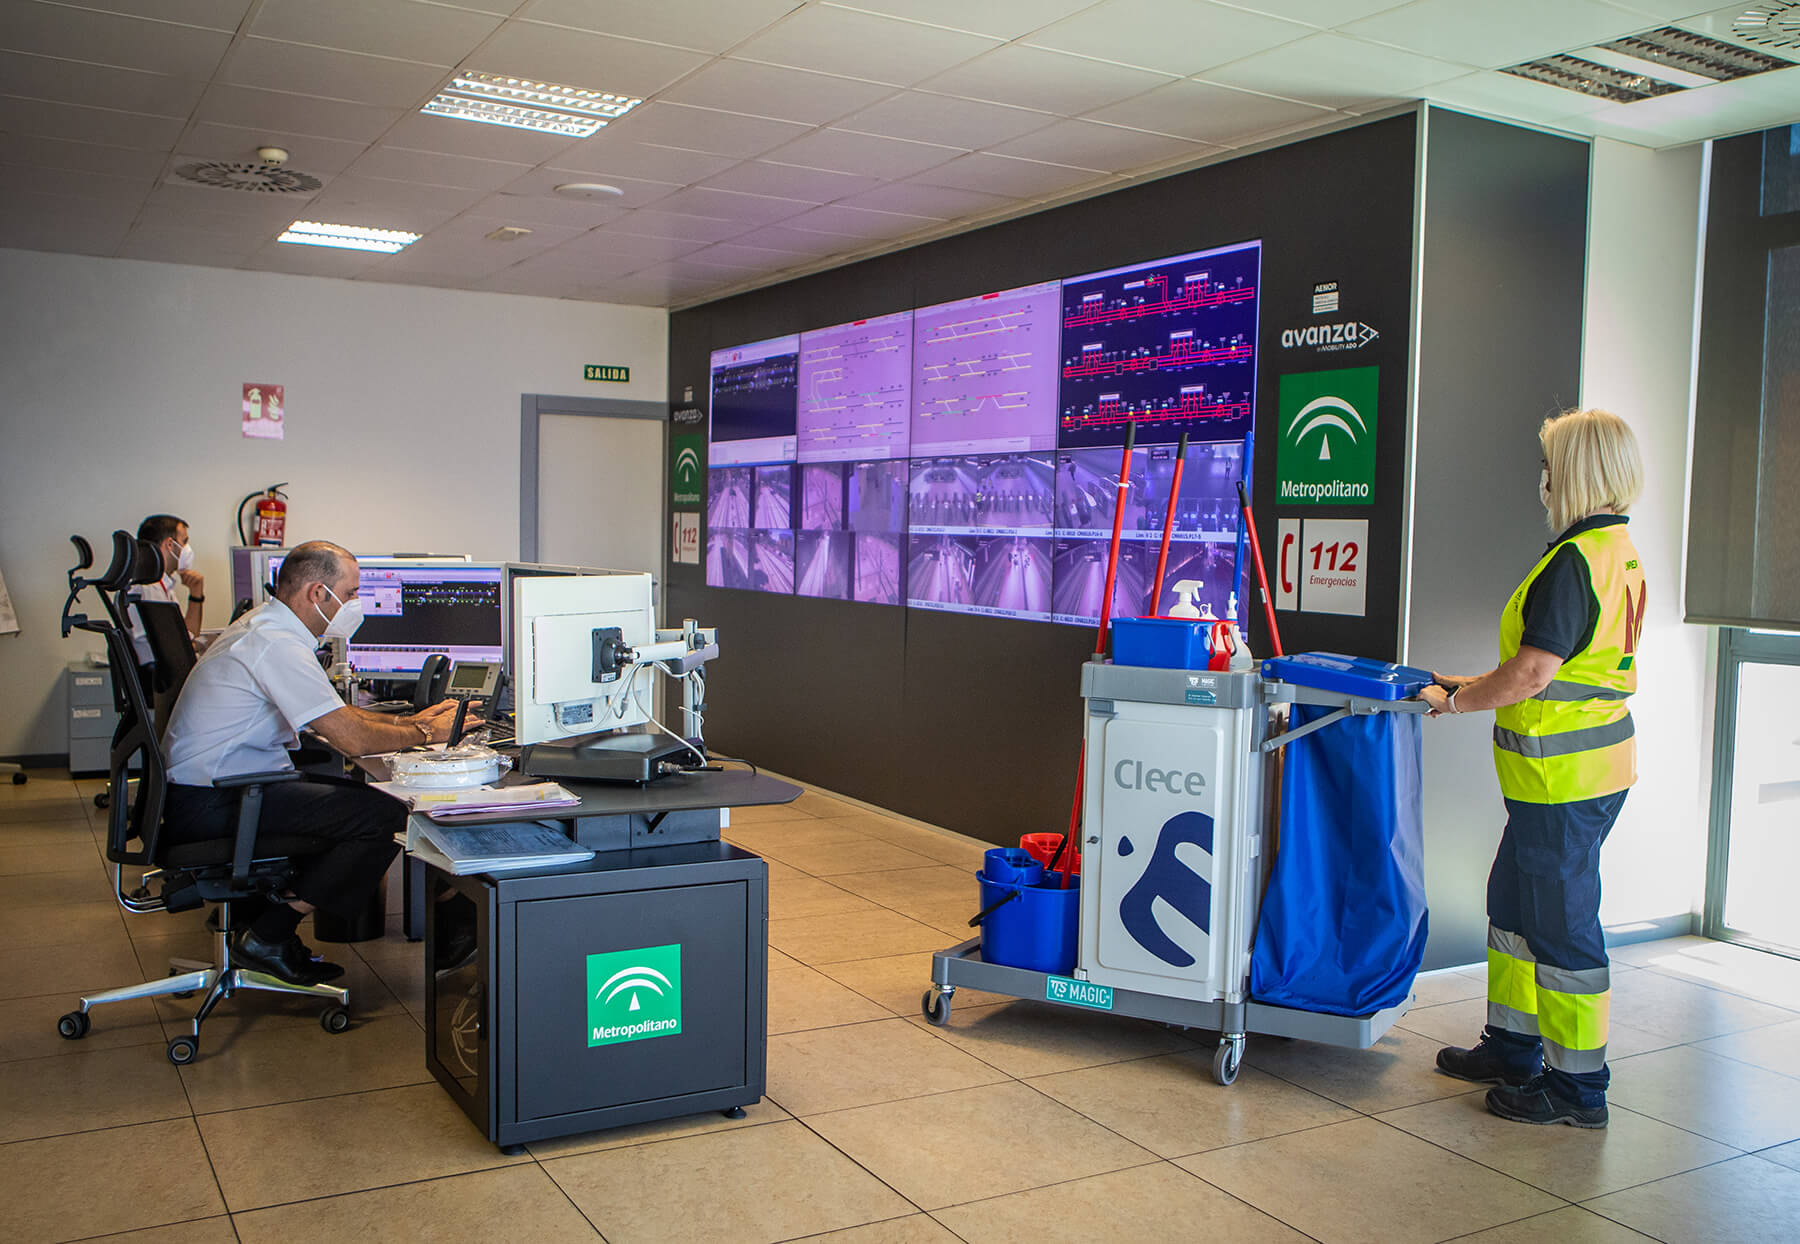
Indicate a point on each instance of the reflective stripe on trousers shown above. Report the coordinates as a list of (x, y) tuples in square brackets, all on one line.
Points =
[(1568, 1008)]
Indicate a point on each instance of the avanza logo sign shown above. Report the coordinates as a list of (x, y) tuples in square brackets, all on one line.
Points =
[(634, 995), (1326, 451), (1347, 335)]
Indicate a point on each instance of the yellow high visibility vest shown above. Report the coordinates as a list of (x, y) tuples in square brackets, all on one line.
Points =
[(1574, 739)]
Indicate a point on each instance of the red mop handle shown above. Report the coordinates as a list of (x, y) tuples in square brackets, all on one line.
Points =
[(1262, 577), (1112, 553), (1162, 556)]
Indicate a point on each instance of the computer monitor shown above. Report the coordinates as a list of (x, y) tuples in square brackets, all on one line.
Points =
[(560, 689), (263, 565), (413, 607)]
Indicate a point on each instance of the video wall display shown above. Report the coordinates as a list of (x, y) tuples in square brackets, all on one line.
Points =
[(965, 456)]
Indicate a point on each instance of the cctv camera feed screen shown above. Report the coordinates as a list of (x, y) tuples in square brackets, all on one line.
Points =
[(964, 456), (854, 385), (755, 389), (1168, 345), (984, 372)]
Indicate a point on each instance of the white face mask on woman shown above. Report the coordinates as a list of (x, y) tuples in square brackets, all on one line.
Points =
[(343, 623)]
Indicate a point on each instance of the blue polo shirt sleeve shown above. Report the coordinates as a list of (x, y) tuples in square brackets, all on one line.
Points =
[(1561, 612)]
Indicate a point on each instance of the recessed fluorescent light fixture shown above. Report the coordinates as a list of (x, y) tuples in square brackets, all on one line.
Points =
[(570, 111), (349, 237)]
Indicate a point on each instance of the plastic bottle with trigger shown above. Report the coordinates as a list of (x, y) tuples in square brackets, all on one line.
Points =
[(1185, 609)]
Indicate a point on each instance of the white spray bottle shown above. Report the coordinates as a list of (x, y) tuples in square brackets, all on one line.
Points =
[(1185, 609)]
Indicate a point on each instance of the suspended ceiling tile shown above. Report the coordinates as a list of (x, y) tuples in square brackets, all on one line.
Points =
[(212, 14), (112, 39), (476, 139), (20, 178), (709, 25), (23, 205), (774, 91), (1171, 36), (247, 107), (736, 254), (612, 249), (322, 157), (864, 154), (84, 157), (433, 34), (856, 222), (609, 154), (1507, 95), (1335, 71), (302, 70), (946, 119), (577, 58), (637, 192), (436, 168), (389, 204), (791, 181), (663, 221), (186, 247), (1207, 113), (468, 260), (886, 49), (500, 8), (174, 202), (941, 202), (1671, 10), (1104, 148), (546, 209), (801, 242), (1319, 12), (999, 19), (98, 86), (60, 233), (43, 119), (328, 261), (1006, 175), (1028, 77), (1747, 104), (1476, 32), (244, 232), (705, 129)]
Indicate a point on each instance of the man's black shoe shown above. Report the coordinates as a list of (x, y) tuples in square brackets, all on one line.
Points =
[(1482, 1065), (289, 961), (1535, 1103)]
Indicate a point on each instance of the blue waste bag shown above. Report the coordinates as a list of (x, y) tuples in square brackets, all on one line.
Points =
[(1343, 925)]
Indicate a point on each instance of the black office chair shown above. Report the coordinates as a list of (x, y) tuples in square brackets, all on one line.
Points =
[(181, 876)]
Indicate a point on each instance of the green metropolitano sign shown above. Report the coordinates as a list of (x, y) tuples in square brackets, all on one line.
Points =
[(687, 469), (634, 995), (1326, 451)]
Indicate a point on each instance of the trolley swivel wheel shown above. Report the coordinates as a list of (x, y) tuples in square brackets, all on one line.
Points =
[(935, 1006), (73, 1026), (1227, 1059), (334, 1019), (183, 1050), (103, 800)]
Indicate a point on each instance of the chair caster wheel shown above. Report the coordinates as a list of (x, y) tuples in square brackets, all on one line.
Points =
[(1227, 1059), (73, 1026), (183, 1050), (185, 993), (103, 800), (19, 779), (334, 1019)]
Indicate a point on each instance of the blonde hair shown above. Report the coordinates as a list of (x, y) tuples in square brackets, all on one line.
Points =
[(1594, 465)]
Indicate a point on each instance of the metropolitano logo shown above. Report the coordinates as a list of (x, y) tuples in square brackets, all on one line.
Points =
[(634, 995), (1326, 453), (686, 469)]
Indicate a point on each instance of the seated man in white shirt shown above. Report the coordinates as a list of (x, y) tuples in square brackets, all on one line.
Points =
[(170, 535), (256, 686)]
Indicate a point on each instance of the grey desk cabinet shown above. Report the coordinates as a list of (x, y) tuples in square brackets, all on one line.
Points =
[(92, 717)]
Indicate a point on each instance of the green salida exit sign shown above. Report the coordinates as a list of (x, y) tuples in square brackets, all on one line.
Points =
[(606, 371)]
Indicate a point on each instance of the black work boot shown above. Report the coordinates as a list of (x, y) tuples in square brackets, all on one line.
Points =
[(1486, 1063), (1536, 1102)]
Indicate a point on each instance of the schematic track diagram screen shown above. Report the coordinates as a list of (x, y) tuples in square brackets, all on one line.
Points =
[(1168, 345), (754, 393), (854, 381), (984, 372)]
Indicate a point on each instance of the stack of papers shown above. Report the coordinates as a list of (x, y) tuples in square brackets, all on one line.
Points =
[(447, 805), (497, 848)]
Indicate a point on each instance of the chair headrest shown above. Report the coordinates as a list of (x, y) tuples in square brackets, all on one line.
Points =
[(148, 567), (118, 575), (84, 552)]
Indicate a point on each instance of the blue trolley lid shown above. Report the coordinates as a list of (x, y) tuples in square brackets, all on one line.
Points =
[(1333, 671)]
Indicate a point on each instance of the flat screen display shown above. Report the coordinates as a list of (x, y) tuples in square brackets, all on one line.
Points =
[(985, 372), (755, 389), (851, 524), (410, 612), (1169, 345), (854, 382)]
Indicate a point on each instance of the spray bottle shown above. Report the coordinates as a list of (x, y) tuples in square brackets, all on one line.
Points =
[(1186, 589)]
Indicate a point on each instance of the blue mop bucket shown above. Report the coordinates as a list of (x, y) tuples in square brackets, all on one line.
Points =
[(1031, 926), (1011, 866)]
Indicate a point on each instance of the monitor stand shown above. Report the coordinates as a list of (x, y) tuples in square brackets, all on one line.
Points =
[(609, 756)]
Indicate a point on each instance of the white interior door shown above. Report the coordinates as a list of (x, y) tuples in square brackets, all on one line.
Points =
[(600, 486)]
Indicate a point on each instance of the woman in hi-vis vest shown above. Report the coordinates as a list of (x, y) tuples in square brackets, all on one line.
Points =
[(1565, 754)]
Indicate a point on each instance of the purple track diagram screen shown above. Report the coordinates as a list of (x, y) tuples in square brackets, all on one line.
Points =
[(853, 390), (984, 372), (1168, 345)]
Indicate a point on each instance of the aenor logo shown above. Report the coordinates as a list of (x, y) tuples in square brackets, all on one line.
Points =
[(1136, 775)]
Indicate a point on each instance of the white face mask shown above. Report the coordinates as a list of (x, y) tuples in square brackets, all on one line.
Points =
[(1544, 487), (343, 623), (185, 559)]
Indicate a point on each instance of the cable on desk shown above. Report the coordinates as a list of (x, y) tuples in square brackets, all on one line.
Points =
[(734, 760)]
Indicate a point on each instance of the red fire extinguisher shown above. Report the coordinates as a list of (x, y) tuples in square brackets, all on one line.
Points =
[(270, 528)]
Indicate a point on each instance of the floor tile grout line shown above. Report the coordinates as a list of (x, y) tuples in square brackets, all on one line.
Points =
[(1645, 1183), (502, 1164), (555, 1183)]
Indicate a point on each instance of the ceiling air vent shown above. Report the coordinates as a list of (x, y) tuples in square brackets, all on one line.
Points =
[(1773, 25), (1586, 77), (1674, 48), (261, 177)]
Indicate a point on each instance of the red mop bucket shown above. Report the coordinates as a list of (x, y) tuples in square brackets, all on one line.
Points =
[(1041, 847)]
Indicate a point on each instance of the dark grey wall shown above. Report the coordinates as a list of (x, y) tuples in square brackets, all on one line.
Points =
[(973, 723), (1504, 257)]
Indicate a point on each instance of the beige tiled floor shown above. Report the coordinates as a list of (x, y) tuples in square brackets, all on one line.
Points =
[(1016, 1122)]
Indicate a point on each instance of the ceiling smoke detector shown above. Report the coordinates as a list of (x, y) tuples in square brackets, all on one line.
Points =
[(588, 190), (265, 176)]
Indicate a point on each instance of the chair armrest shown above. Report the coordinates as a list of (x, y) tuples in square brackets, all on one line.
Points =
[(243, 850), (256, 779)]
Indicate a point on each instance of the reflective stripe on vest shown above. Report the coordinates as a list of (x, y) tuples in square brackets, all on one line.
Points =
[(1574, 739)]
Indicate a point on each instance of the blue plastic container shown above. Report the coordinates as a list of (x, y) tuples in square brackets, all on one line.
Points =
[(1167, 643), (1332, 671), (1037, 930), (1011, 866)]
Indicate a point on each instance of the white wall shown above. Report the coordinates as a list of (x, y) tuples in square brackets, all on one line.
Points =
[(1637, 350), (121, 388)]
